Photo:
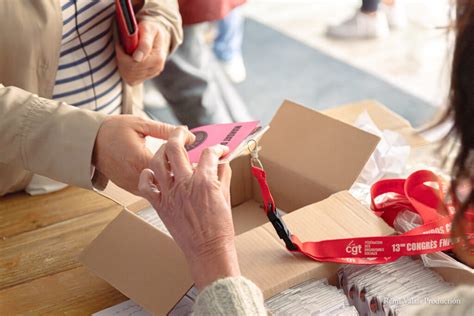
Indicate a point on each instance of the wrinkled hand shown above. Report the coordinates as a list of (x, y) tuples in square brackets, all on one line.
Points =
[(120, 152), (149, 58), (195, 206)]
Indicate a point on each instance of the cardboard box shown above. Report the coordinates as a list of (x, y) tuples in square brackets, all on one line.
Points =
[(382, 117), (310, 159), (420, 147)]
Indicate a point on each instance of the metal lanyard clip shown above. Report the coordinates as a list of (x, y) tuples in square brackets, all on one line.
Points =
[(254, 160)]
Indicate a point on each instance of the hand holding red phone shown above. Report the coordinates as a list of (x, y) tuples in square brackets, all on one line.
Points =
[(143, 47), (149, 58)]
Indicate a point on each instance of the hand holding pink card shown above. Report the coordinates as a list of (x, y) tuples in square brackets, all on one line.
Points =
[(233, 135)]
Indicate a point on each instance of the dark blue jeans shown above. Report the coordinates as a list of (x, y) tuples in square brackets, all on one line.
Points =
[(228, 43), (195, 87), (369, 5)]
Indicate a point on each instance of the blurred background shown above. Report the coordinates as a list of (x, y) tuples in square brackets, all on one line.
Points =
[(324, 53)]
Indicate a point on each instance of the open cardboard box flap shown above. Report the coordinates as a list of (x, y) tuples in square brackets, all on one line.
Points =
[(308, 157), (382, 117), (321, 154)]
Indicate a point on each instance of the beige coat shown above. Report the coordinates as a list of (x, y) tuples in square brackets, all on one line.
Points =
[(37, 134)]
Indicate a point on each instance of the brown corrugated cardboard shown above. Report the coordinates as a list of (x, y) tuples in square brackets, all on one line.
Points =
[(264, 259), (319, 154), (308, 156), (146, 265), (305, 153), (140, 261)]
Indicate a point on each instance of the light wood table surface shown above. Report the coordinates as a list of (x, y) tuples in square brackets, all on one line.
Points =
[(40, 240)]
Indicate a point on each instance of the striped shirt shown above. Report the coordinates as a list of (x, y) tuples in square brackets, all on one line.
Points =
[(74, 84)]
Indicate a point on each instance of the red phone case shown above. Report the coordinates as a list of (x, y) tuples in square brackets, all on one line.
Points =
[(129, 41)]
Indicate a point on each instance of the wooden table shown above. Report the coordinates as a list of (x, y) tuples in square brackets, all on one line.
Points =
[(40, 239)]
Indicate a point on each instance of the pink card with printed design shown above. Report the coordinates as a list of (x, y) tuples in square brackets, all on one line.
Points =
[(231, 135)]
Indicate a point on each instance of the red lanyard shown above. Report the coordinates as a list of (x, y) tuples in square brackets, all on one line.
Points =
[(411, 194)]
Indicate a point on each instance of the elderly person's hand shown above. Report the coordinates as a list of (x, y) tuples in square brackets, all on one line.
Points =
[(120, 152), (149, 58), (195, 206)]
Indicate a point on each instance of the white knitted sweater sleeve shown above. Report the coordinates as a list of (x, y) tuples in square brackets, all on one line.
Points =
[(230, 296)]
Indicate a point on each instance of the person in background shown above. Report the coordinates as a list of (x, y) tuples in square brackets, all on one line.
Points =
[(194, 204), (228, 45), (61, 74), (375, 19), (192, 83)]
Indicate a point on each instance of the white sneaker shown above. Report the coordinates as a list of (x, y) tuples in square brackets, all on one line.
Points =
[(235, 69), (361, 25), (396, 14)]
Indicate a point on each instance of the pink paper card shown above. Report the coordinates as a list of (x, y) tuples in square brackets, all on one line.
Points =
[(231, 135)]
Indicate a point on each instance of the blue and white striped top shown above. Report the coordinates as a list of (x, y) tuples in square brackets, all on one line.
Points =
[(73, 80)]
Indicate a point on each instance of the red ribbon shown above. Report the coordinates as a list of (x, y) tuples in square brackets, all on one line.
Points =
[(411, 194)]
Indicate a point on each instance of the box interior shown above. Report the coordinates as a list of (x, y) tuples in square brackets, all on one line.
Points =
[(308, 156), (320, 156)]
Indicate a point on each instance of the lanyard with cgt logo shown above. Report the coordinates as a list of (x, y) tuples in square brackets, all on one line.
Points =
[(412, 193)]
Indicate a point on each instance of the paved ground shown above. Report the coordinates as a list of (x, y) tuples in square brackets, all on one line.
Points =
[(415, 59)]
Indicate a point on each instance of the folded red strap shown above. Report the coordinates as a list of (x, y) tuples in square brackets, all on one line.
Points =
[(412, 194)]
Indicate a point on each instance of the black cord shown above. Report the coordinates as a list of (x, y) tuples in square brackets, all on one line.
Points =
[(85, 53)]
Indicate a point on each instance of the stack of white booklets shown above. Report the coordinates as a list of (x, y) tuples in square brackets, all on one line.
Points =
[(313, 297), (384, 289)]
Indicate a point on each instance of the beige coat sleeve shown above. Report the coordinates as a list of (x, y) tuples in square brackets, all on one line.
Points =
[(166, 13), (47, 137)]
